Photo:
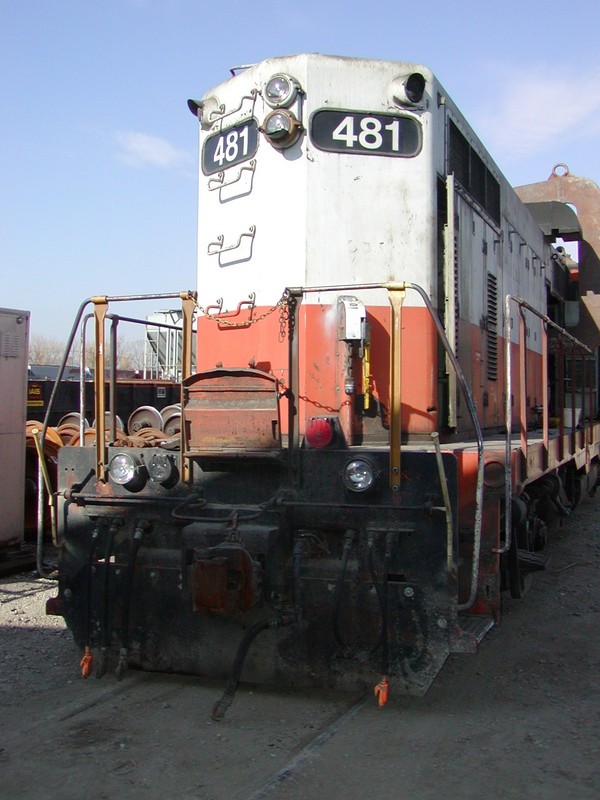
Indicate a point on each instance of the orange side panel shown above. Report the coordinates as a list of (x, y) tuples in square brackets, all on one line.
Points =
[(325, 363)]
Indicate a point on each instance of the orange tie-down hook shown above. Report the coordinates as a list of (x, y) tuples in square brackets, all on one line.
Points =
[(86, 663), (381, 691)]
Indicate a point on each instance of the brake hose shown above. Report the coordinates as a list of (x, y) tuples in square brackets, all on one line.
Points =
[(382, 596), (88, 660), (135, 546), (339, 587), (104, 634), (221, 706)]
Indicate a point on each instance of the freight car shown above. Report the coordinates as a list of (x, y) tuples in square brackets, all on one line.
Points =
[(394, 402)]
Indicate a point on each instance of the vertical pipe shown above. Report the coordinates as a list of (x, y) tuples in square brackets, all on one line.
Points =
[(447, 504), (478, 434), (573, 371), (508, 422), (40, 475), (100, 309), (590, 401), (545, 409), (561, 399), (82, 382), (294, 300), (396, 294), (112, 391), (104, 621), (523, 385), (188, 304), (579, 424)]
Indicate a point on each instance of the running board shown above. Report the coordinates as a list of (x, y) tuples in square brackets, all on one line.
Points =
[(469, 632)]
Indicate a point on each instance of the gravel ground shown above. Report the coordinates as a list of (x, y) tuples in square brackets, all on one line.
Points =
[(519, 720)]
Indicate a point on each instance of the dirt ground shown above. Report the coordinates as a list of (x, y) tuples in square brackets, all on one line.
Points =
[(519, 720)]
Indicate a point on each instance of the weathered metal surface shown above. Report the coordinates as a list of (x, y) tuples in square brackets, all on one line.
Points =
[(584, 194), (348, 575), (225, 578), (233, 410), (556, 219), (14, 337)]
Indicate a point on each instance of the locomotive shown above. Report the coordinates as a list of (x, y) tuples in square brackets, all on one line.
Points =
[(392, 407)]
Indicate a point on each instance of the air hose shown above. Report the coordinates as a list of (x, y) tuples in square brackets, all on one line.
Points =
[(298, 553), (87, 660), (339, 587), (382, 596), (221, 706), (135, 546), (104, 623)]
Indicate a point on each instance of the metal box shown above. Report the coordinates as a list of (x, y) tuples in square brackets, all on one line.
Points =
[(14, 343)]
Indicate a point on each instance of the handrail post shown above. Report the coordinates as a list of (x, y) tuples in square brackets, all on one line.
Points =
[(100, 309), (396, 294), (545, 409), (294, 299), (523, 388), (561, 399), (112, 388), (523, 306), (394, 290), (188, 304)]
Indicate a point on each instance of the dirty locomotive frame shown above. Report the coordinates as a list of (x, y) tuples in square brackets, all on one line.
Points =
[(393, 403)]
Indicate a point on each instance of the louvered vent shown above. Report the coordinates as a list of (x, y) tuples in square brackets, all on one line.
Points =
[(9, 344), (492, 327), (472, 174)]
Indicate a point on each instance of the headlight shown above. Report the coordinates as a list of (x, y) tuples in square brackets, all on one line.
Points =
[(280, 90), (161, 468), (127, 471), (358, 475), (281, 128), (408, 90)]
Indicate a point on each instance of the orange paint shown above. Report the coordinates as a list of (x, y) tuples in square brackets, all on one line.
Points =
[(324, 361), (324, 365), (86, 663), (381, 691)]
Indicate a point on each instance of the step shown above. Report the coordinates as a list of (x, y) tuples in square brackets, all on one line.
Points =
[(469, 633), (531, 562)]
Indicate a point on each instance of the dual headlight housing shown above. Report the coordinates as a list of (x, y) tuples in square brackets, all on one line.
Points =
[(133, 471), (281, 127)]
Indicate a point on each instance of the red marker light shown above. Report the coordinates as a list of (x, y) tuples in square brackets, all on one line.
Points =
[(319, 431)]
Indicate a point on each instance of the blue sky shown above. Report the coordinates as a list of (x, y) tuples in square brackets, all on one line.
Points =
[(98, 149)]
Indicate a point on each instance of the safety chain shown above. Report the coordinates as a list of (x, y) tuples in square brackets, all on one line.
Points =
[(285, 302), (282, 304), (285, 391)]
